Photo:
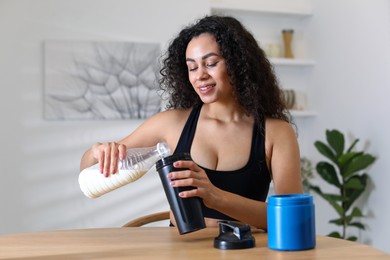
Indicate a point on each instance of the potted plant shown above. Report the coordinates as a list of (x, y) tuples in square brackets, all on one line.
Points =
[(344, 170)]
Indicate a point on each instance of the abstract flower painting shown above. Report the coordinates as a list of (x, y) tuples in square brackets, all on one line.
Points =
[(100, 80)]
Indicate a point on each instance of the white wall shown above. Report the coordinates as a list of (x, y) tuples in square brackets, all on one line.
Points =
[(39, 159), (351, 41)]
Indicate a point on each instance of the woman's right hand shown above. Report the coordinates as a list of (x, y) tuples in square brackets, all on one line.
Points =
[(108, 156)]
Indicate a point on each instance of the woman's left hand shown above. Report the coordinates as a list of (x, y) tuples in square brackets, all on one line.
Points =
[(194, 176)]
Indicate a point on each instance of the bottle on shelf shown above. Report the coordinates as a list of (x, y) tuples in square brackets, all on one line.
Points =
[(138, 161), (287, 40)]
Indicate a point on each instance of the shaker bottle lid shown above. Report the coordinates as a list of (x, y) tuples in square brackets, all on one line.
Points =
[(234, 236), (171, 159)]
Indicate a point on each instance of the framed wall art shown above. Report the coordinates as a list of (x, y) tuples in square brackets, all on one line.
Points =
[(100, 80)]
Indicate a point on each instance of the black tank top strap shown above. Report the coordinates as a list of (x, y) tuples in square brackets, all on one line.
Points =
[(188, 133), (258, 144)]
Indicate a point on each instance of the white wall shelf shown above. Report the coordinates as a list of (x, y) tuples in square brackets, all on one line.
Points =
[(273, 7), (266, 19), (292, 62), (303, 113)]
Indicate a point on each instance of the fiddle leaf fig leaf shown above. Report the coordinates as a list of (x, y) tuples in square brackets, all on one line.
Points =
[(317, 190), (325, 151), (358, 163), (358, 225), (338, 222), (356, 212), (352, 238), (331, 198), (354, 182), (334, 197), (334, 234), (345, 159), (353, 194), (352, 145), (328, 173), (336, 140)]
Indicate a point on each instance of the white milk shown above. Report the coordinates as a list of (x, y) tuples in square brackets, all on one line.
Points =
[(138, 161), (93, 183)]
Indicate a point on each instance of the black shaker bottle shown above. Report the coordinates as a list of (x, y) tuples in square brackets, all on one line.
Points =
[(187, 211)]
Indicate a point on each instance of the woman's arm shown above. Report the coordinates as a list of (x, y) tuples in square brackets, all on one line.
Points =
[(283, 157), (165, 126)]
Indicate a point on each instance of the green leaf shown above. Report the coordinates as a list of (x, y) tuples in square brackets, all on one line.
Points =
[(325, 151), (334, 234), (352, 238), (336, 140), (357, 225), (338, 221), (352, 145), (353, 194), (334, 197), (316, 189), (356, 212), (331, 198), (355, 182), (346, 158), (328, 173), (358, 163)]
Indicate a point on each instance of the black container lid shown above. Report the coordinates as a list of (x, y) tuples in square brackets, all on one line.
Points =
[(171, 159), (234, 236)]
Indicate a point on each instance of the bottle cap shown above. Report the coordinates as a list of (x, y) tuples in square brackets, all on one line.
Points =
[(163, 149)]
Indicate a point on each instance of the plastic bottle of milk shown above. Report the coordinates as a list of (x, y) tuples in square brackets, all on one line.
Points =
[(138, 161)]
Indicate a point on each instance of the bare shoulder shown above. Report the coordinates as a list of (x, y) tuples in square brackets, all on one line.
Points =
[(279, 134), (172, 117), (163, 126), (277, 128)]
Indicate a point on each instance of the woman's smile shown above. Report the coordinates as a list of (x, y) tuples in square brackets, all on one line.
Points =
[(206, 88)]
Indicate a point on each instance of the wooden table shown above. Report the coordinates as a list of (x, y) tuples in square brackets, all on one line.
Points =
[(163, 243)]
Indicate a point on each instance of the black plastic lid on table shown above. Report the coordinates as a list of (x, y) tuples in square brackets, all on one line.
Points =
[(234, 236)]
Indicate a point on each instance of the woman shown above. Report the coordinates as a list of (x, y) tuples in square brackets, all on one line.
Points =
[(225, 108)]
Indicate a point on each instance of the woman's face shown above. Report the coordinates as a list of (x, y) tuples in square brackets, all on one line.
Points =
[(207, 70)]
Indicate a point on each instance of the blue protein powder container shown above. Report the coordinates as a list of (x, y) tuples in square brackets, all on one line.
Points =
[(291, 222)]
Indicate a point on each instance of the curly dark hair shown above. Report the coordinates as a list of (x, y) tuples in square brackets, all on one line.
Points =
[(255, 84)]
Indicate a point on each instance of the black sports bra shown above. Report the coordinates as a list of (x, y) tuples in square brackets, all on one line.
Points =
[(252, 181)]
